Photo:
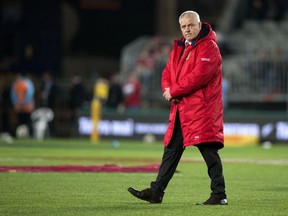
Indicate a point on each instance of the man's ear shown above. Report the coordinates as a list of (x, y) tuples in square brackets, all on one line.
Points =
[(200, 25)]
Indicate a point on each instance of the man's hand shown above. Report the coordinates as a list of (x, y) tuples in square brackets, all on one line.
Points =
[(167, 94)]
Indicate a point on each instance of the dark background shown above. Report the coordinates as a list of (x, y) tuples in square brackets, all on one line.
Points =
[(104, 28)]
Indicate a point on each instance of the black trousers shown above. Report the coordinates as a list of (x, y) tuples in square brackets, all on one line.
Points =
[(172, 155)]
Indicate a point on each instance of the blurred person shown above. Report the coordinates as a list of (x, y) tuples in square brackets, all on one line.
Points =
[(100, 95), (132, 92), (144, 68), (48, 95), (49, 91), (192, 83), (77, 94), (22, 97), (101, 89), (115, 94)]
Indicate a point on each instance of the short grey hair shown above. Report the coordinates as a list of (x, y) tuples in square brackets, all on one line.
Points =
[(190, 13)]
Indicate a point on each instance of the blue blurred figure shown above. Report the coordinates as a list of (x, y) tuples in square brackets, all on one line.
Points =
[(22, 97)]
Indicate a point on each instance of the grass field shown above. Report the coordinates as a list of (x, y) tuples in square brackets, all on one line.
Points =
[(256, 180)]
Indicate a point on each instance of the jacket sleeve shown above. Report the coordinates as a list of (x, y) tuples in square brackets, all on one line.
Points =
[(207, 60), (166, 75)]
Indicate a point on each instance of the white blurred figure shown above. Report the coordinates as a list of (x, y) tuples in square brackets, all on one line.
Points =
[(40, 118), (6, 137)]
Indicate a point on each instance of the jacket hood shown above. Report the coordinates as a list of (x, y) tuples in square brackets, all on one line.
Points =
[(205, 33)]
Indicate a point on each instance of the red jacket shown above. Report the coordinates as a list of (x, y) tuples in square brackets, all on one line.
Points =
[(196, 80)]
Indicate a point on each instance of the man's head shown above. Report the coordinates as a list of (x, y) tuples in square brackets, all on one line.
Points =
[(190, 25)]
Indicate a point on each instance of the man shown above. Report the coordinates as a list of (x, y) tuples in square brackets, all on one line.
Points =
[(132, 92), (22, 97), (115, 94), (192, 82), (76, 99), (49, 92)]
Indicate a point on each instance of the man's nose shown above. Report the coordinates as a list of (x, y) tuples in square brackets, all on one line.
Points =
[(187, 29)]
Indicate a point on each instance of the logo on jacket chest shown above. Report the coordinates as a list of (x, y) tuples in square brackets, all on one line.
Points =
[(205, 59)]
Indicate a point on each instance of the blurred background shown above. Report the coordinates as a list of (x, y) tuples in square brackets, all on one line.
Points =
[(76, 51)]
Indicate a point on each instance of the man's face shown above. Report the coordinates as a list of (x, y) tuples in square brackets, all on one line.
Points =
[(190, 27)]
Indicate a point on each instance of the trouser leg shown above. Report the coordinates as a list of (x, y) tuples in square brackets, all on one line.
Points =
[(171, 157), (215, 170)]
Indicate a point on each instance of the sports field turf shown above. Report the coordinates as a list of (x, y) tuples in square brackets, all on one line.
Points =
[(256, 180)]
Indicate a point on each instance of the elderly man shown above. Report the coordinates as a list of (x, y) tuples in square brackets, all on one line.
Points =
[(192, 83)]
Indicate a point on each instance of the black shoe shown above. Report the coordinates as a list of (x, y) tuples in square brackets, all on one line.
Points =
[(214, 201), (147, 195)]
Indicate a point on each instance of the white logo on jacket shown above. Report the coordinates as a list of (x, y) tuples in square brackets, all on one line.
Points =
[(205, 59)]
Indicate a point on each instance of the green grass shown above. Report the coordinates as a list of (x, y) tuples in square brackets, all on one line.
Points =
[(256, 180)]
